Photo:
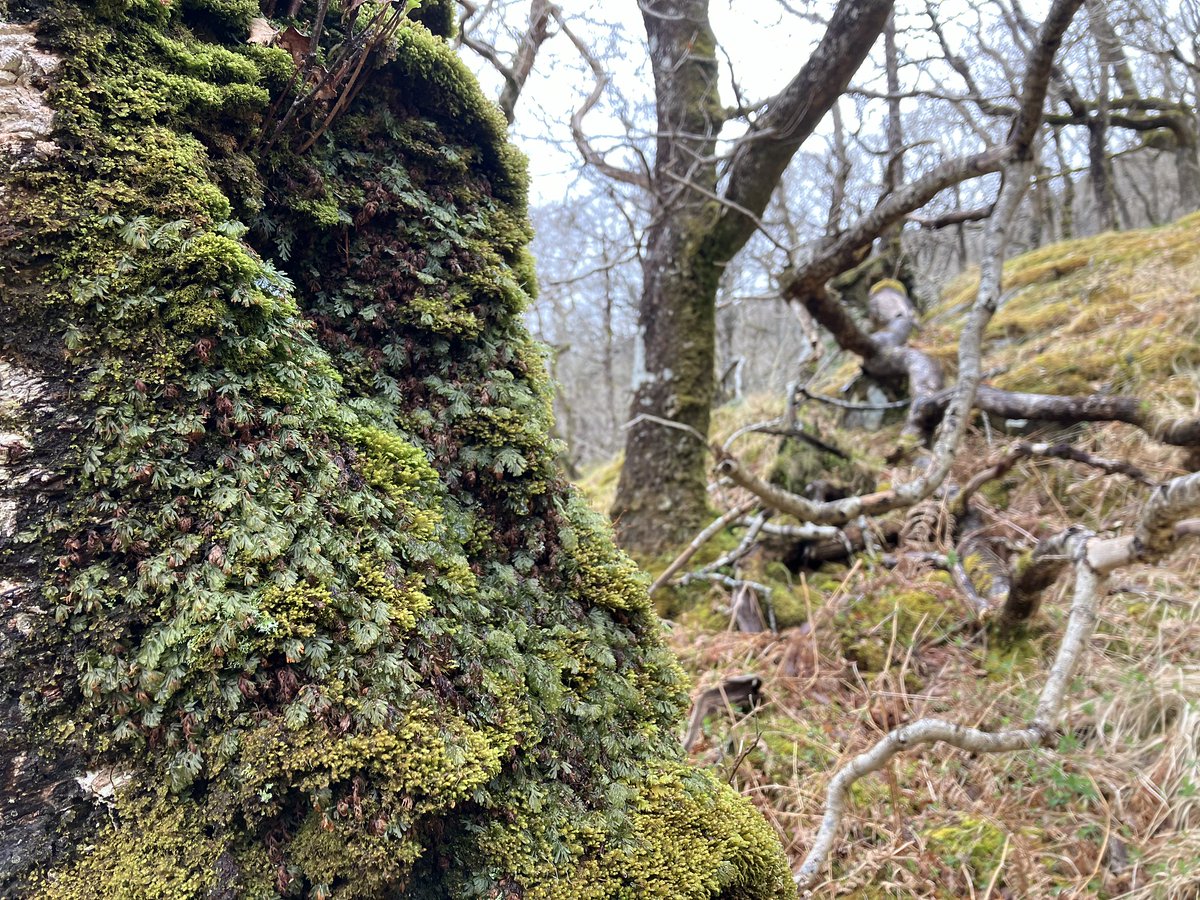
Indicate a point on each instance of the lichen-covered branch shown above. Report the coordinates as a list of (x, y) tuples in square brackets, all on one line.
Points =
[(1179, 431), (954, 423), (1089, 588), (718, 525)]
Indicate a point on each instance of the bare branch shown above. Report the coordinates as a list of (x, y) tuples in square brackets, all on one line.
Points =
[(1089, 587), (590, 154), (718, 525), (1161, 528), (762, 156)]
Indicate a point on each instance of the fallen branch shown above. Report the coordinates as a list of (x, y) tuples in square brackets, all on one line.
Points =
[(1072, 410), (1025, 450), (846, 404), (1039, 732), (743, 549), (718, 525), (1161, 528)]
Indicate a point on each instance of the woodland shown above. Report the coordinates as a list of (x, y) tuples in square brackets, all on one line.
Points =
[(652, 449)]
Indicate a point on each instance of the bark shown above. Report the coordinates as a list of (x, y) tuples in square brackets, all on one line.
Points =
[(661, 496), (1073, 410), (696, 230), (893, 175), (45, 805), (1099, 165)]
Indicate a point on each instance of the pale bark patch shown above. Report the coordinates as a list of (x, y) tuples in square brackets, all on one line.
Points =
[(25, 117)]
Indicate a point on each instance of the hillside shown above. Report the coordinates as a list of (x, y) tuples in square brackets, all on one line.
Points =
[(862, 647)]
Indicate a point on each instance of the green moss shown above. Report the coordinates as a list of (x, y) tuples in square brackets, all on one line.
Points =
[(1119, 305), (316, 583), (691, 838), (882, 622), (975, 843), (230, 17), (888, 284), (163, 852), (437, 15), (800, 464)]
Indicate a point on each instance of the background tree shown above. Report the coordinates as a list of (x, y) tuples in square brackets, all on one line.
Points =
[(700, 220)]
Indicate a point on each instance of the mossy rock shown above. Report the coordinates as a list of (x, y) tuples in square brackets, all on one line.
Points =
[(313, 585), (799, 465)]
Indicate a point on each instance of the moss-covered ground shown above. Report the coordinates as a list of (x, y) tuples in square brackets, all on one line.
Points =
[(1114, 810)]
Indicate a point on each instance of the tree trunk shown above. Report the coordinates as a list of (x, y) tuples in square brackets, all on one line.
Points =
[(1099, 165), (293, 598), (695, 232), (661, 497)]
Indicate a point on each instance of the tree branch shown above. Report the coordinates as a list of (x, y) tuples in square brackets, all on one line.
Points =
[(590, 154), (1161, 528), (762, 156)]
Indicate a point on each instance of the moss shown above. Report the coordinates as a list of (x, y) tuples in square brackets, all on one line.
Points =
[(888, 284), (231, 17), (164, 852), (1113, 312), (972, 842), (676, 849), (316, 584), (892, 621), (800, 464), (436, 15)]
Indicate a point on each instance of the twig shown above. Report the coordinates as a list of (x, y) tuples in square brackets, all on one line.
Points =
[(846, 404), (666, 423), (739, 552), (718, 525), (1161, 528)]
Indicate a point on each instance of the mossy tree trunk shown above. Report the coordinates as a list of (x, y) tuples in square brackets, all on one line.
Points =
[(699, 225), (296, 603)]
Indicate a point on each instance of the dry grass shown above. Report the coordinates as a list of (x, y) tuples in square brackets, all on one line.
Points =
[(1116, 809)]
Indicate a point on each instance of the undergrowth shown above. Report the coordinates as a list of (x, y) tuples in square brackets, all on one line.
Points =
[(1114, 809)]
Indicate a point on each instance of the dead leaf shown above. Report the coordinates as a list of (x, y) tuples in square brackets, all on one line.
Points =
[(295, 43), (262, 32)]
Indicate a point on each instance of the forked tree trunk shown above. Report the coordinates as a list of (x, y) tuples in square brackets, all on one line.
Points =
[(696, 230)]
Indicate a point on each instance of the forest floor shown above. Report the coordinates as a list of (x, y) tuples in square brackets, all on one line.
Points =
[(867, 644)]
